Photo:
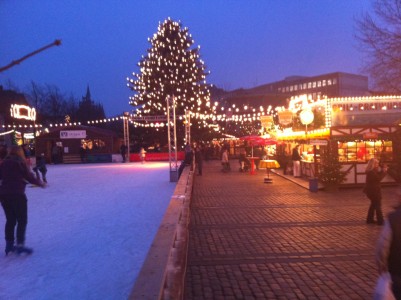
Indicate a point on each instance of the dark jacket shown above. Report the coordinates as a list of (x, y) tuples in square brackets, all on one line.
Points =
[(15, 175), (373, 186), (394, 259), (41, 164), (295, 154)]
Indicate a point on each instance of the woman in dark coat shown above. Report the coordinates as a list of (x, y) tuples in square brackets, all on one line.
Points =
[(14, 175), (373, 190)]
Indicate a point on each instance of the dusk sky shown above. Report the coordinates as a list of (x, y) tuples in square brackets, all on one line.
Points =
[(244, 43)]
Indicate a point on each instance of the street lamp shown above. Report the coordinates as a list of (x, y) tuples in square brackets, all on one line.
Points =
[(307, 117)]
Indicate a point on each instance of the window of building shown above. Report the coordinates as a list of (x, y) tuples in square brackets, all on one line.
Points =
[(362, 151), (314, 84), (319, 83), (309, 85), (95, 144), (328, 81), (334, 80), (324, 82), (304, 86)]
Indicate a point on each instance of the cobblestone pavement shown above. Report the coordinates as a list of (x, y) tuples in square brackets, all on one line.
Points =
[(255, 240)]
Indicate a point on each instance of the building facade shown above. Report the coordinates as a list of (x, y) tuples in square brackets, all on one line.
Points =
[(331, 85)]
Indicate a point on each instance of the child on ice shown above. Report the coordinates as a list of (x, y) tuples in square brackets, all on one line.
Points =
[(41, 167)]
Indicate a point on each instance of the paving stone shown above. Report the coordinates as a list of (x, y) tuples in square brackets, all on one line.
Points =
[(251, 240)]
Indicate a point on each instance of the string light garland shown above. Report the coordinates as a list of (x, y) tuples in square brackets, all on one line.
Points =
[(244, 116)]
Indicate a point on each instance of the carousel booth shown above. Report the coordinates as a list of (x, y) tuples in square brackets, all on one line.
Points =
[(76, 144), (360, 128)]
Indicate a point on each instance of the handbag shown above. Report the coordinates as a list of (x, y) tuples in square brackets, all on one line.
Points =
[(383, 288)]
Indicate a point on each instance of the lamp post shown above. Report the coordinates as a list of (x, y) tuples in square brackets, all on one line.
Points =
[(307, 117), (126, 117)]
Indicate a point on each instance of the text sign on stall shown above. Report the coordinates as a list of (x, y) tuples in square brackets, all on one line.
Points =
[(266, 121), (318, 142), (285, 117), (370, 136), (72, 134)]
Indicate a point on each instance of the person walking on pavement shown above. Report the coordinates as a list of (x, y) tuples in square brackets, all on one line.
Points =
[(188, 154), (224, 160), (296, 161), (41, 167), (199, 159), (14, 175), (285, 161), (373, 190), (388, 248)]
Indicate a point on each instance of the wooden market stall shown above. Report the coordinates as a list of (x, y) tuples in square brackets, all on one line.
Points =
[(359, 128)]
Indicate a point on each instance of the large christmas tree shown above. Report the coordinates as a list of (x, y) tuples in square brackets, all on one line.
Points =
[(171, 68)]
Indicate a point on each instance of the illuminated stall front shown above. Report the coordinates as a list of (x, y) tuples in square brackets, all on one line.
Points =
[(360, 127), (364, 128)]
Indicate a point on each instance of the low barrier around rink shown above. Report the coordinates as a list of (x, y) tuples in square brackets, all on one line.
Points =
[(163, 273)]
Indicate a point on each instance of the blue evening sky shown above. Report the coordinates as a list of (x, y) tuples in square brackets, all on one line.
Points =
[(244, 43)]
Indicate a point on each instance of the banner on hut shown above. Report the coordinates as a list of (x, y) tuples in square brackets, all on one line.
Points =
[(266, 121)]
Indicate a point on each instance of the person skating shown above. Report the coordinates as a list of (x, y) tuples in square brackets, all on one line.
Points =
[(41, 167), (123, 151), (142, 154), (14, 175)]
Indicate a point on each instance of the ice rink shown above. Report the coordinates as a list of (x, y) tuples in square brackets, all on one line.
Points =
[(90, 230)]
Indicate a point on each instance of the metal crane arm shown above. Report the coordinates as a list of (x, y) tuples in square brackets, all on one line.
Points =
[(18, 61)]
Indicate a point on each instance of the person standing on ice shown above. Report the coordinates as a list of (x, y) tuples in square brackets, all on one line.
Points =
[(142, 154), (14, 175), (41, 167)]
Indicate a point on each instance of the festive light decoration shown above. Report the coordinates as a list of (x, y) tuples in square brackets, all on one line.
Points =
[(171, 68), (247, 119), (18, 111)]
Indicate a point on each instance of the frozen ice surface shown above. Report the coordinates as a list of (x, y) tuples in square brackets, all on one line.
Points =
[(90, 230)]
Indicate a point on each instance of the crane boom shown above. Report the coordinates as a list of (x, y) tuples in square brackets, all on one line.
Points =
[(18, 61)]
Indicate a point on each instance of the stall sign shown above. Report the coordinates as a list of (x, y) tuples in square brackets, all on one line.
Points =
[(285, 117), (370, 136), (23, 112), (72, 134), (266, 121), (318, 142)]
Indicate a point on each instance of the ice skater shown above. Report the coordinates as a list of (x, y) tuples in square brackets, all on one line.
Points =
[(142, 155), (41, 167), (14, 175)]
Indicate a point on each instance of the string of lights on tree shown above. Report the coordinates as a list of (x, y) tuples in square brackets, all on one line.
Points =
[(172, 67)]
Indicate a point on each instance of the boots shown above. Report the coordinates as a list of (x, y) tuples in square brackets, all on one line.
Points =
[(21, 249), (9, 247)]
